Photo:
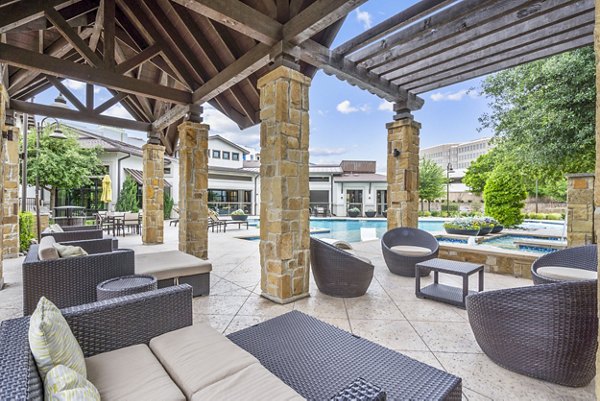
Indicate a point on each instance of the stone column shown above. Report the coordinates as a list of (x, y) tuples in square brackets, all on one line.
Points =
[(193, 188), (580, 209), (153, 193), (597, 187), (403, 170), (11, 194), (284, 193), (3, 106)]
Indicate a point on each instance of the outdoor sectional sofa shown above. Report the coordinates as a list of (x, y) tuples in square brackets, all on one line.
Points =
[(144, 346), (75, 233)]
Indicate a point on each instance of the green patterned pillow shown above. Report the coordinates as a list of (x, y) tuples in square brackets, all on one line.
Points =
[(64, 384), (52, 342)]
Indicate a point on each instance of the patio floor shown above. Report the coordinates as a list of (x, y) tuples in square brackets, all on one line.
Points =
[(389, 314)]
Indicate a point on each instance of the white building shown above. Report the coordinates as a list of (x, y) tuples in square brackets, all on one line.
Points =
[(459, 155)]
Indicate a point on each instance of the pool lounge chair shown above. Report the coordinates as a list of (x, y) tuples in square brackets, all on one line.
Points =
[(404, 247)]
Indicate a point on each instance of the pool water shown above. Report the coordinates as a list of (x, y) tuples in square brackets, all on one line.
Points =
[(349, 230)]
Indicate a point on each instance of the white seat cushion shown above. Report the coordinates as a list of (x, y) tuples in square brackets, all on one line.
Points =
[(566, 273), (252, 383), (198, 356), (46, 249), (407, 250), (170, 264), (131, 373)]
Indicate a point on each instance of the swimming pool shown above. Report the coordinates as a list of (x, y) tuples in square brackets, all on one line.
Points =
[(508, 242), (349, 229)]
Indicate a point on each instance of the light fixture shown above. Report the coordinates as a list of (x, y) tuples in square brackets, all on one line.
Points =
[(10, 118), (61, 102), (396, 153), (57, 133)]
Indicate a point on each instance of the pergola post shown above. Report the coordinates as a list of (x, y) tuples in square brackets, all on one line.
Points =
[(284, 217), (3, 107), (153, 191), (597, 175), (403, 169), (10, 202), (193, 185)]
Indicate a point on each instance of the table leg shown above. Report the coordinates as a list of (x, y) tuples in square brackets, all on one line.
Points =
[(465, 289), (417, 282), (435, 277), (481, 280)]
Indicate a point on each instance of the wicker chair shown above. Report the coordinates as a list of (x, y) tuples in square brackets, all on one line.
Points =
[(72, 281), (582, 257), (337, 272), (75, 233), (404, 265), (547, 331), (99, 327)]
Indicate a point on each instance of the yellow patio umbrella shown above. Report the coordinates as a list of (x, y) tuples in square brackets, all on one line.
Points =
[(106, 190)]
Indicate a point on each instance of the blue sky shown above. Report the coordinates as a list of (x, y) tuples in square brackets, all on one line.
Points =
[(347, 122)]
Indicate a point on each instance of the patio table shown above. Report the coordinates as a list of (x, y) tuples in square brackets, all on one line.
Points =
[(125, 285)]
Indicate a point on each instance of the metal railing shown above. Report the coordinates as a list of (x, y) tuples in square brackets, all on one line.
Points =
[(226, 208)]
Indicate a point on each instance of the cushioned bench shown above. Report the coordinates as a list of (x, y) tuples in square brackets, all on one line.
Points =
[(175, 267)]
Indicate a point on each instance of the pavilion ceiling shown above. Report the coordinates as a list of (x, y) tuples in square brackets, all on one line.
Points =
[(160, 57)]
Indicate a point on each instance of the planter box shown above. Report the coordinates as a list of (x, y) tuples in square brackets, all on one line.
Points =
[(353, 214), (370, 214), (239, 217), (497, 229), (462, 232), (485, 230)]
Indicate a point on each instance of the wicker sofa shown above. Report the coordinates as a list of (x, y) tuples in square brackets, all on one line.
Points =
[(337, 272), (581, 257), (546, 331), (75, 233), (72, 281), (404, 247)]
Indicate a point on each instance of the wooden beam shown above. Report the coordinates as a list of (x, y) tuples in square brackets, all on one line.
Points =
[(66, 92), (109, 34), (172, 115), (138, 59), (49, 65), (76, 115), (71, 36), (89, 96), (21, 13), (283, 11), (403, 18), (98, 24), (110, 103)]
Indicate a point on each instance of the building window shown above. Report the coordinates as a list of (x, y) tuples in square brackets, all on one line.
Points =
[(235, 156), (226, 155), (167, 170), (216, 154), (318, 179)]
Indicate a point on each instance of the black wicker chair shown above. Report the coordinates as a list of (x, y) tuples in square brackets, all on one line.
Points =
[(337, 272), (548, 331), (99, 327), (75, 233), (72, 281), (404, 265), (582, 257)]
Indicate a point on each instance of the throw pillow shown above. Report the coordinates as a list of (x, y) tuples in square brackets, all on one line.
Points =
[(65, 384), (69, 251), (46, 249), (52, 342), (55, 228)]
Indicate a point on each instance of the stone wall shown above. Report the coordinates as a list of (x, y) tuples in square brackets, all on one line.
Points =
[(403, 173), (580, 209), (153, 194), (193, 189), (284, 216), (3, 105), (513, 263), (11, 195), (597, 187)]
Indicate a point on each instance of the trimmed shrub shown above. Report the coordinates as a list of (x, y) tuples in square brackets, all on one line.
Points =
[(167, 205), (26, 230), (505, 195), (127, 201)]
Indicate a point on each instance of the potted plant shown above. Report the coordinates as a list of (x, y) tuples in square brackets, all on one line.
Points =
[(370, 213), (384, 213), (497, 226), (239, 215), (486, 223), (465, 226), (353, 212)]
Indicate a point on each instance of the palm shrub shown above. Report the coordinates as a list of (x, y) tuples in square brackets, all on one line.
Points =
[(128, 201), (504, 195), (167, 205), (26, 230)]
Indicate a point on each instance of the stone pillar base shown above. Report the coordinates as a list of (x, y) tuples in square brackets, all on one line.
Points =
[(153, 194), (286, 300), (580, 209), (11, 196)]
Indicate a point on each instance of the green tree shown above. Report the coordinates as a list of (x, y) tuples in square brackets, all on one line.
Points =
[(479, 171), (168, 203), (544, 112), (431, 181), (127, 200), (504, 195), (62, 163)]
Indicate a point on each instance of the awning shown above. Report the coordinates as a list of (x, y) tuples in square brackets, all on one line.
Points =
[(138, 176)]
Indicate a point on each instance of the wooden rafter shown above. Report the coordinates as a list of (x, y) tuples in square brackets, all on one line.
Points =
[(66, 92), (21, 13), (109, 33)]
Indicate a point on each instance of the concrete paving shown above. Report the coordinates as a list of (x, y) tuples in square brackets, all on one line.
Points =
[(388, 314)]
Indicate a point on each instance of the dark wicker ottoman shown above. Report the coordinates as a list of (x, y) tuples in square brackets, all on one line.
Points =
[(125, 285), (318, 360)]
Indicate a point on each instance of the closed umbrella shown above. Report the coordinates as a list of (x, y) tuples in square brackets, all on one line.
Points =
[(106, 190)]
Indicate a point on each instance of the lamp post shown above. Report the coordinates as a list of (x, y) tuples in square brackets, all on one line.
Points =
[(448, 170), (57, 134)]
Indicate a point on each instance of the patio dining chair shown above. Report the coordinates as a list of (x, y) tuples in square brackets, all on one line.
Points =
[(132, 222), (404, 247)]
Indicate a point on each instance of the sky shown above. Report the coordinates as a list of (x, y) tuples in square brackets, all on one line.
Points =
[(347, 122)]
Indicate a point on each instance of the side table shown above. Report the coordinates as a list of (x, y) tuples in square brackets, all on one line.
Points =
[(445, 293), (125, 285)]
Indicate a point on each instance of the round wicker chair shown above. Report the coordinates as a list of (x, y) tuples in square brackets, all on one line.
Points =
[(582, 257), (337, 272), (404, 265), (547, 331)]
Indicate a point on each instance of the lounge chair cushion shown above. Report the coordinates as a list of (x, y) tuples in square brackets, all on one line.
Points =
[(63, 384), (69, 251), (566, 273), (198, 356), (337, 243), (170, 264), (52, 342), (46, 250), (254, 382), (408, 250), (131, 373)]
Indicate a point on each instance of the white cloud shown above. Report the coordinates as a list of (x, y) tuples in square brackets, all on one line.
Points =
[(454, 96), (364, 18), (345, 107), (322, 112), (118, 111), (97, 89), (74, 85), (326, 151), (386, 106), (222, 125)]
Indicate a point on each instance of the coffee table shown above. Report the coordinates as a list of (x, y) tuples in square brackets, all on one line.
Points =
[(125, 285), (446, 293)]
